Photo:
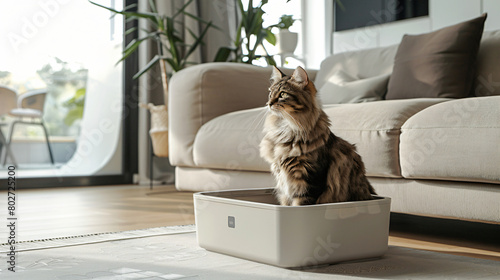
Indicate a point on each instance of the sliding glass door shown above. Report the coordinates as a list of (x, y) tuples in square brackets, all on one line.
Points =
[(67, 53)]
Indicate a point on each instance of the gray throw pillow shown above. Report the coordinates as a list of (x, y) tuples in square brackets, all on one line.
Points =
[(437, 64), (344, 88)]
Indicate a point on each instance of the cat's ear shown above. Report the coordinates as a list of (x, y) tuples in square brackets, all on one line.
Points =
[(300, 76), (276, 75)]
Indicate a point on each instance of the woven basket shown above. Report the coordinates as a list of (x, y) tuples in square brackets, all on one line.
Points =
[(159, 129)]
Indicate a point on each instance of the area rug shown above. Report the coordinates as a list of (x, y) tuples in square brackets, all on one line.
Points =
[(173, 253)]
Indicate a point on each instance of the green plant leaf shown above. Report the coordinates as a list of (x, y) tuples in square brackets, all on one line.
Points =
[(130, 30), (149, 16), (341, 6), (181, 10), (153, 6), (132, 47), (260, 38), (129, 7), (198, 18), (73, 115), (198, 40), (223, 54), (270, 60), (285, 22), (173, 64), (75, 107), (170, 34), (148, 66), (78, 99), (270, 37)]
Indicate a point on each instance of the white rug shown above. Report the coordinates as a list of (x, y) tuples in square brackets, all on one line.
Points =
[(172, 253)]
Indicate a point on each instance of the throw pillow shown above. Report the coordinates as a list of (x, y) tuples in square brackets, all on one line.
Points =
[(437, 64), (343, 88)]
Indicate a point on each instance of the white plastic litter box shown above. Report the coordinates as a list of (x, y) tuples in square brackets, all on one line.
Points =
[(250, 224)]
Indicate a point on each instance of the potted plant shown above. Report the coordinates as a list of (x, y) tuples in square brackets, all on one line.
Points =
[(250, 36), (173, 50), (286, 41), (167, 33)]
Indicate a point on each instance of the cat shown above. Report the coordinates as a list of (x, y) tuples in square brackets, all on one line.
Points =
[(310, 164)]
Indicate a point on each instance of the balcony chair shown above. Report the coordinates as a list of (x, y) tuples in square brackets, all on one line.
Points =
[(7, 103), (30, 106)]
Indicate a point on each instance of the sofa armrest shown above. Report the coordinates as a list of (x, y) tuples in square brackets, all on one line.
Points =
[(454, 140), (203, 92)]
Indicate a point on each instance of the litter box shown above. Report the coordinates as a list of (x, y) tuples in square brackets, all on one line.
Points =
[(251, 224)]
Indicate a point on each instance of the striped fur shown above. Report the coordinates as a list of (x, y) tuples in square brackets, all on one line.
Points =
[(310, 164)]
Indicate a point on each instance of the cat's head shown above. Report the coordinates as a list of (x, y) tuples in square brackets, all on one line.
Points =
[(293, 95)]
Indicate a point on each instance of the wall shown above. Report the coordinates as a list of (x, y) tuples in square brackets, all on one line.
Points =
[(441, 13)]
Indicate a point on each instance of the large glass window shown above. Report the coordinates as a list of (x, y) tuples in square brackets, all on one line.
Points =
[(68, 50)]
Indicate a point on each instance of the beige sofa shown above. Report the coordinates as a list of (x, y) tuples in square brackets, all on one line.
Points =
[(438, 157)]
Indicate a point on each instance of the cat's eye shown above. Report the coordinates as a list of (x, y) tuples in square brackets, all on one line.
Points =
[(283, 95)]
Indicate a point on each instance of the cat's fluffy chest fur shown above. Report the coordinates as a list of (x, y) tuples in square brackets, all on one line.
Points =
[(310, 164)]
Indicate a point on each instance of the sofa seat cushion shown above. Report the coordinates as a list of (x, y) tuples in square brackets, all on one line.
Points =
[(231, 141), (374, 128), (457, 140)]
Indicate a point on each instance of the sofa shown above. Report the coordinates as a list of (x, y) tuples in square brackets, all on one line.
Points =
[(433, 156)]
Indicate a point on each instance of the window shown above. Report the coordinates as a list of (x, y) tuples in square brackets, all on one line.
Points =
[(71, 49)]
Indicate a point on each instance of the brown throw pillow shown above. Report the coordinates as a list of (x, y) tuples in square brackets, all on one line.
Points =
[(437, 64)]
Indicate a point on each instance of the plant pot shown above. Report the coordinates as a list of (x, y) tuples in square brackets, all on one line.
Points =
[(159, 128), (160, 142), (286, 41)]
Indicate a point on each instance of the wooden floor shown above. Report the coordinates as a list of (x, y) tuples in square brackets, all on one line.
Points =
[(49, 213)]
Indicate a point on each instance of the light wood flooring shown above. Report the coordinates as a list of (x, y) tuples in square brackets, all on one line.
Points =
[(60, 212)]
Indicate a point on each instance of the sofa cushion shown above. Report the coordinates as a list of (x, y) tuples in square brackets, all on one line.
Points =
[(488, 69), (374, 128), (344, 88), (357, 64), (437, 64), (456, 140), (231, 141)]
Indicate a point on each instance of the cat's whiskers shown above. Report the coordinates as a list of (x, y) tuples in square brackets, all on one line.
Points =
[(282, 131), (260, 119)]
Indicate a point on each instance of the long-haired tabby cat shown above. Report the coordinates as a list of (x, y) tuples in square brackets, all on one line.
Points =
[(310, 164)]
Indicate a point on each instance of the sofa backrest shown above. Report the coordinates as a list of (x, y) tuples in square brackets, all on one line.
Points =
[(378, 61), (488, 65)]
